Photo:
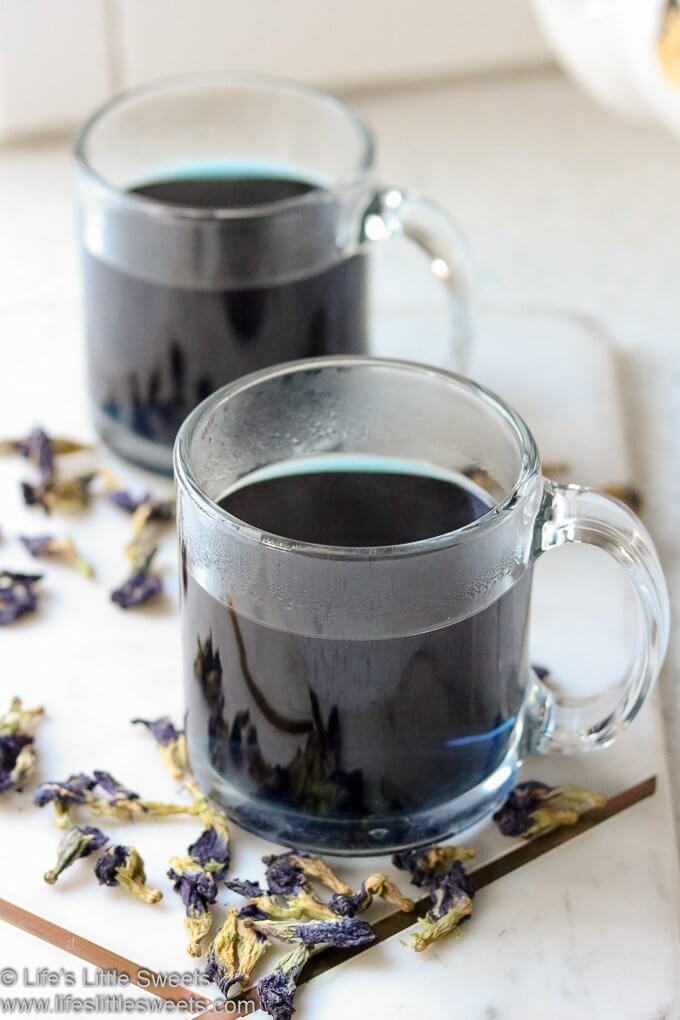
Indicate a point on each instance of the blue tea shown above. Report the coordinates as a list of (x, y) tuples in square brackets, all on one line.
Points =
[(373, 734), (155, 351)]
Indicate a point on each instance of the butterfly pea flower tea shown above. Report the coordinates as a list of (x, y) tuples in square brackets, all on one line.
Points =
[(225, 223), (355, 606)]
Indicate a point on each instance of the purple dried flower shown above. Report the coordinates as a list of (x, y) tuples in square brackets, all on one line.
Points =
[(451, 896), (448, 890), (197, 889), (156, 509), (122, 865), (425, 864), (41, 449), (37, 545), (37, 447), (162, 729), (171, 744), (283, 875), (11, 746), (344, 933), (252, 911), (60, 548), (375, 885), (17, 596), (139, 588), (108, 864), (211, 851), (234, 953), (251, 890), (534, 808), (80, 841), (65, 496), (115, 790), (73, 790), (17, 749), (277, 990), (123, 500)]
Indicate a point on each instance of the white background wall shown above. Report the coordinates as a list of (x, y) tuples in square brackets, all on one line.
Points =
[(60, 58)]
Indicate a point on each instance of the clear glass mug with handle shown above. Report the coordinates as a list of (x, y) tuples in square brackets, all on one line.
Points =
[(224, 224), (357, 699)]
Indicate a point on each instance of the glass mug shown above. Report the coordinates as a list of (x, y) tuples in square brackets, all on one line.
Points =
[(224, 225), (357, 699)]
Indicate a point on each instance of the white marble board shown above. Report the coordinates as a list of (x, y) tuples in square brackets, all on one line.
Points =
[(589, 930)]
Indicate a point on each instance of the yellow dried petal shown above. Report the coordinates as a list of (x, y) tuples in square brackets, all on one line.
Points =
[(317, 870), (132, 877), (433, 931), (197, 928)]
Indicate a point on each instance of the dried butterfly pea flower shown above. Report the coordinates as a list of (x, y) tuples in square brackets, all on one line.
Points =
[(123, 500), (120, 803), (303, 906), (534, 808), (148, 519), (35, 447), (211, 850), (288, 872), (17, 760), (17, 749), (154, 509), (374, 885), (277, 990), (62, 496), (251, 890), (171, 744), (80, 841), (17, 596), (122, 865), (196, 875), (345, 933), (135, 809), (18, 719), (198, 890), (60, 548), (74, 790), (452, 903), (234, 954), (140, 587), (211, 817), (424, 864), (115, 790)]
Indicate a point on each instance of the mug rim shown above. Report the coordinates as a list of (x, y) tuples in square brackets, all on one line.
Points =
[(155, 207), (184, 476)]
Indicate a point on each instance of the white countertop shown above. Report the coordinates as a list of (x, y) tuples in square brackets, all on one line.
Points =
[(589, 229)]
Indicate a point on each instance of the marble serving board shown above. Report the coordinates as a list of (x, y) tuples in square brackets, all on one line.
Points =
[(589, 929)]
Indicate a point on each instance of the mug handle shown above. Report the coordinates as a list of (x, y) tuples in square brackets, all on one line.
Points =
[(572, 513), (396, 213)]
